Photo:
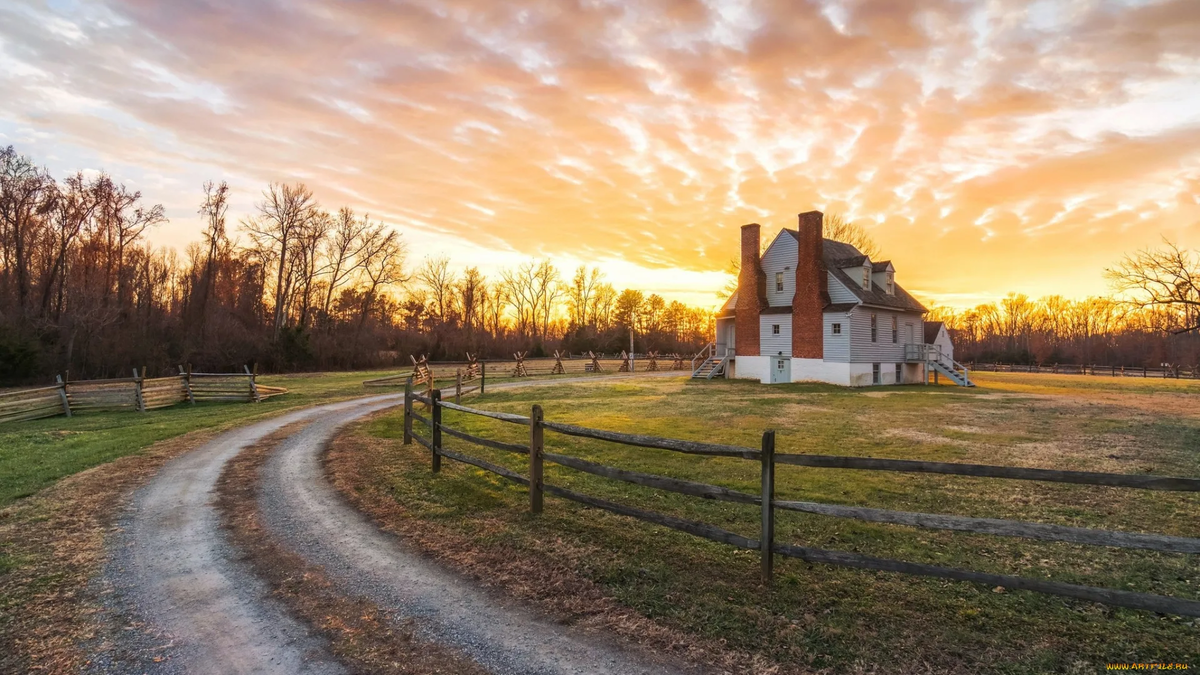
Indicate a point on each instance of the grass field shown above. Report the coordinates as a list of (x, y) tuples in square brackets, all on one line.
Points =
[(840, 619), (34, 454)]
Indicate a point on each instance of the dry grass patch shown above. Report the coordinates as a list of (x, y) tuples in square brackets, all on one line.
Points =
[(549, 581), (361, 634), (51, 545)]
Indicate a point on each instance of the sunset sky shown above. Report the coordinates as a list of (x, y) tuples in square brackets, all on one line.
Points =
[(987, 146)]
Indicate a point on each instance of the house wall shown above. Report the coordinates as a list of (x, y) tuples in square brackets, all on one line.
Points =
[(943, 341), (752, 368), (837, 347), (771, 344), (817, 370), (780, 254), (862, 350), (838, 293), (725, 335)]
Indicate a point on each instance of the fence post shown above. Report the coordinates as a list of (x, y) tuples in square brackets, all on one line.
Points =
[(536, 447), (766, 539), (482, 376), (187, 383), (62, 393), (253, 385), (435, 416), (137, 389), (458, 386), (408, 390)]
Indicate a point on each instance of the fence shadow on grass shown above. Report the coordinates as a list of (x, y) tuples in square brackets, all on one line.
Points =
[(768, 459)]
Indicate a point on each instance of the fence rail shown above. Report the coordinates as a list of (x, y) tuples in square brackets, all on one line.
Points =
[(768, 505), (140, 393), (446, 371), (1173, 372)]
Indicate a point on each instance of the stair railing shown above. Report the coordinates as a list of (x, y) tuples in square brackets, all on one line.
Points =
[(704, 354)]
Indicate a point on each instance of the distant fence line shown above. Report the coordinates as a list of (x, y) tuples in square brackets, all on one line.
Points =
[(534, 480), (140, 393), (1174, 372), (563, 364)]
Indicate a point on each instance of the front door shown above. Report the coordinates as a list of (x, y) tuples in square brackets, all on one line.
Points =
[(781, 369)]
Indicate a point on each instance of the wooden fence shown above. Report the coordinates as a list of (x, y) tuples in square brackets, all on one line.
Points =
[(564, 365), (137, 392), (768, 505), (1177, 373)]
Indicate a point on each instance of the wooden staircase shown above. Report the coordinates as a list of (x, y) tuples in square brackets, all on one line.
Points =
[(707, 364), (954, 370)]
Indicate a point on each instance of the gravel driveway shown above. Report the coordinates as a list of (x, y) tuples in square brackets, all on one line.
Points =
[(173, 570)]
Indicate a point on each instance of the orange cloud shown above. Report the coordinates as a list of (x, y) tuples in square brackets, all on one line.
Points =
[(1037, 142)]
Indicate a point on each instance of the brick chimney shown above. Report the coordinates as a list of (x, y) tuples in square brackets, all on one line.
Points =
[(752, 293), (812, 289)]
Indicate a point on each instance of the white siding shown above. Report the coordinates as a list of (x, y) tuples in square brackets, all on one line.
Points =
[(943, 340), (781, 253), (837, 347), (771, 344), (838, 293), (862, 350)]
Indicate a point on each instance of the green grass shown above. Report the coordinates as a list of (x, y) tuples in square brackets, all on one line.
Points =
[(835, 618), (37, 453)]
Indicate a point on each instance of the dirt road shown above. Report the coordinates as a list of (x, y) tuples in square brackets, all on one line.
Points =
[(173, 570)]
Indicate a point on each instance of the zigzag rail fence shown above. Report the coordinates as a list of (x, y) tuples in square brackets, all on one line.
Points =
[(69, 397), (768, 505), (491, 369)]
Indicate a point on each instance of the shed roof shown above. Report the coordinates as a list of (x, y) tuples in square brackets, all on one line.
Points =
[(931, 331)]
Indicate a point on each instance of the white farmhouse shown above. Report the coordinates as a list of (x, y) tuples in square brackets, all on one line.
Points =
[(814, 309)]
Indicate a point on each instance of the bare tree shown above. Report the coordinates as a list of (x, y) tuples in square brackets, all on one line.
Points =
[(471, 293), (383, 265), (344, 250), (579, 295), (282, 212), (1168, 278), (437, 278), (26, 196), (838, 228), (213, 210)]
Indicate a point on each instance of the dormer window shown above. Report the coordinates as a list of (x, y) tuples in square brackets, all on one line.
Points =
[(891, 283), (867, 278)]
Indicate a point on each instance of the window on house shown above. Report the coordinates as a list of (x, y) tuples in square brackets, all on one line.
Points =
[(891, 283), (875, 376), (779, 282), (775, 329), (899, 374), (874, 328), (867, 278), (895, 331), (837, 329)]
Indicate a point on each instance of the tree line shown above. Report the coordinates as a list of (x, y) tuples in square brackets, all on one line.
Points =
[(1153, 319), (291, 286)]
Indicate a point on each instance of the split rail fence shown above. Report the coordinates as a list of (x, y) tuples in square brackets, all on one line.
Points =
[(1177, 373), (563, 364), (769, 506), (140, 393)]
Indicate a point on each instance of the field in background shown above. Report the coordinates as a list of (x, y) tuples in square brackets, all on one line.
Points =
[(34, 454), (826, 617)]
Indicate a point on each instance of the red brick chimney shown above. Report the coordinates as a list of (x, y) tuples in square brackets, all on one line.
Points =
[(752, 293), (812, 289)]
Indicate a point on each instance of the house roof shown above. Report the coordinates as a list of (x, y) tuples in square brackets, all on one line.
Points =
[(838, 253), (931, 331)]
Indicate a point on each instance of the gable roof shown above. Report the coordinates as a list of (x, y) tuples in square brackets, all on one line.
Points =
[(838, 254), (931, 331)]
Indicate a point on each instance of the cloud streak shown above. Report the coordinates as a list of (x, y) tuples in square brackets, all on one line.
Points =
[(988, 146)]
